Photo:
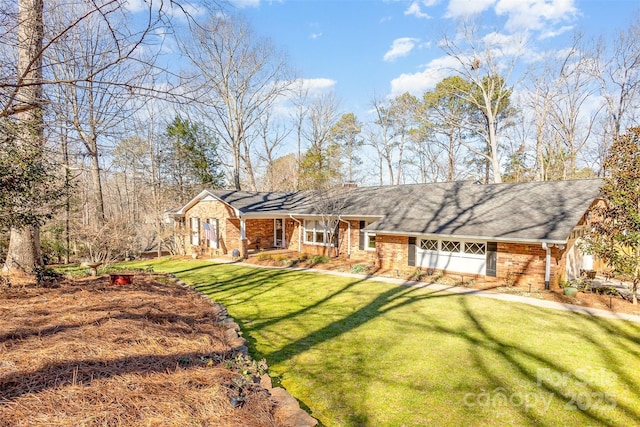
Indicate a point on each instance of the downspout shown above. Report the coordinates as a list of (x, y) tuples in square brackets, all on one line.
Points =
[(547, 265), (299, 233), (348, 237)]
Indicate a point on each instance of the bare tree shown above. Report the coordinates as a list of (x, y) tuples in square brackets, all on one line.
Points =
[(99, 99), (382, 140), (487, 64), (539, 100), (617, 71), (572, 118), (272, 136), (299, 99), (241, 76), (320, 166), (22, 88)]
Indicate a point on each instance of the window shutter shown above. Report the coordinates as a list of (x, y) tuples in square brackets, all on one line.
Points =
[(361, 235), (411, 256), (492, 259)]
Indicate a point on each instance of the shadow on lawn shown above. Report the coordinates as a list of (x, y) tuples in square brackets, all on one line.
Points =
[(551, 377), (477, 333)]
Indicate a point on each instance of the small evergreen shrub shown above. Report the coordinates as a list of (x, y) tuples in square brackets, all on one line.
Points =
[(319, 259), (360, 269), (264, 256)]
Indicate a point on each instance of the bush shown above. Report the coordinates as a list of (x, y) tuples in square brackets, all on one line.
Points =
[(319, 259), (264, 256), (283, 260), (418, 275), (360, 269)]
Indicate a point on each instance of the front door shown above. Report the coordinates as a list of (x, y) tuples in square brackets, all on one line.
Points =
[(278, 233)]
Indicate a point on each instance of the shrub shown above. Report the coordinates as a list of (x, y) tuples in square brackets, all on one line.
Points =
[(264, 256), (437, 276), (319, 259), (283, 260), (417, 275), (360, 269)]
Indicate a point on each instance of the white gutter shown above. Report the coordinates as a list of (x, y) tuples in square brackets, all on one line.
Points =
[(299, 233), (348, 236)]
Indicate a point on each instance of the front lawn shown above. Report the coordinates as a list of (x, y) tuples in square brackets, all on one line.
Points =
[(366, 353)]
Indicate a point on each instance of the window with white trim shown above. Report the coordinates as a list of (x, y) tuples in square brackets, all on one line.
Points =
[(429, 245), (475, 248), (317, 233), (195, 230), (450, 246), (369, 238)]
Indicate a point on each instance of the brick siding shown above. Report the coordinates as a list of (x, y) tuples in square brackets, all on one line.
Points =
[(518, 263)]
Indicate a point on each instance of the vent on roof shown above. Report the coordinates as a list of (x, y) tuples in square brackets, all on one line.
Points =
[(349, 184)]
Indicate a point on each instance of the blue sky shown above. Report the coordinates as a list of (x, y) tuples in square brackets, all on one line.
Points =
[(367, 48)]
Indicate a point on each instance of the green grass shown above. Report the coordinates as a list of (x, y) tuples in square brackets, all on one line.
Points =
[(365, 353)]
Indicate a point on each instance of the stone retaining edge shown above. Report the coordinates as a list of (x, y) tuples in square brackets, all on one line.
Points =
[(288, 409)]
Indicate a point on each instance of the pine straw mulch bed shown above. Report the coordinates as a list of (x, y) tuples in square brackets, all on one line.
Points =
[(146, 354)]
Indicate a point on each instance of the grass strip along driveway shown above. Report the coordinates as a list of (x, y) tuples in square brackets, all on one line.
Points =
[(366, 353)]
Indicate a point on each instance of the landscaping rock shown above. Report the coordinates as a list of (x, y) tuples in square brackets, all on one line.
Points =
[(288, 412), (230, 324), (265, 382), (241, 349), (230, 334), (238, 341)]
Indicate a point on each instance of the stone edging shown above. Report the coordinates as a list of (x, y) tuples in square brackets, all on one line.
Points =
[(287, 407)]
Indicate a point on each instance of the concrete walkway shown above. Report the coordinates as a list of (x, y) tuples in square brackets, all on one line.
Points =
[(456, 290)]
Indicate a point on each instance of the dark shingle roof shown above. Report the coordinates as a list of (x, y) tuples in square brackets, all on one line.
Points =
[(532, 211), (261, 202)]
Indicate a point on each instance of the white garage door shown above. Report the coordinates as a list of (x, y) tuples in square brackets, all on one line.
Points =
[(463, 256)]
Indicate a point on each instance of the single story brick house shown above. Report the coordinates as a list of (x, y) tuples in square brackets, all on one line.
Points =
[(525, 232)]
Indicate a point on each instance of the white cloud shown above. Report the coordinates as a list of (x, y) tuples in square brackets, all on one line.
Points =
[(461, 8), (135, 6), (415, 10), (243, 4), (505, 44), (418, 83), (554, 33), (191, 8), (315, 36), (399, 48), (283, 107), (317, 85), (534, 14)]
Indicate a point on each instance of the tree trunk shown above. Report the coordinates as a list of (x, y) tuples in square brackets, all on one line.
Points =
[(24, 245), (97, 185), (24, 250)]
